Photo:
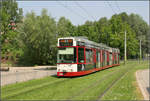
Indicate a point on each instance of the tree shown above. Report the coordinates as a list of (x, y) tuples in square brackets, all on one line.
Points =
[(65, 27), (139, 26), (38, 34), (118, 28), (103, 30), (10, 16)]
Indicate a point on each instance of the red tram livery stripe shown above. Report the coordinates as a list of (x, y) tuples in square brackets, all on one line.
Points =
[(71, 74)]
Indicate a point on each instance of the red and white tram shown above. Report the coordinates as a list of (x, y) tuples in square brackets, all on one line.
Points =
[(79, 56)]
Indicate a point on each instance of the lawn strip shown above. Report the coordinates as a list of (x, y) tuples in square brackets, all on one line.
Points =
[(125, 89), (98, 80), (59, 92), (20, 85), (29, 88), (63, 90), (93, 93)]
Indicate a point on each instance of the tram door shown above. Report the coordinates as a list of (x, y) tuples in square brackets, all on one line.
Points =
[(97, 59), (94, 58), (101, 58), (105, 58), (118, 58)]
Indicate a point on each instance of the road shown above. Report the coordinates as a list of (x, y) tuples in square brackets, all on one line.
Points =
[(142, 77), (20, 74)]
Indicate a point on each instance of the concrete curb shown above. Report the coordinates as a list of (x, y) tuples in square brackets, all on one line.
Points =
[(143, 90)]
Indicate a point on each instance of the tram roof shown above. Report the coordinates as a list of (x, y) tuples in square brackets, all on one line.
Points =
[(92, 43)]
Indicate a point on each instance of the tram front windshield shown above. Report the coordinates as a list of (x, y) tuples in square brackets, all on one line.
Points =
[(66, 55)]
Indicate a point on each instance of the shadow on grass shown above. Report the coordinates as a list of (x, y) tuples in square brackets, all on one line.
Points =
[(47, 68)]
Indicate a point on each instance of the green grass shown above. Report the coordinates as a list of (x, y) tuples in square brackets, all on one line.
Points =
[(79, 88), (127, 88)]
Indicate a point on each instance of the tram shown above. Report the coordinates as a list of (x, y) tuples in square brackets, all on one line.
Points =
[(79, 56)]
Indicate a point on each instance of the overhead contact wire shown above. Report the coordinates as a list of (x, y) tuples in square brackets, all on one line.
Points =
[(72, 11), (85, 10)]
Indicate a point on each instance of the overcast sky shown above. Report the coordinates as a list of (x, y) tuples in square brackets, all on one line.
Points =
[(80, 11)]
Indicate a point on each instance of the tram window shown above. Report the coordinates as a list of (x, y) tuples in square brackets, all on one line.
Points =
[(97, 56), (66, 55), (89, 56), (110, 58), (81, 55)]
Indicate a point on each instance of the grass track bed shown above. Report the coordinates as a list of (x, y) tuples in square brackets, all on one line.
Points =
[(94, 92), (126, 88), (77, 88)]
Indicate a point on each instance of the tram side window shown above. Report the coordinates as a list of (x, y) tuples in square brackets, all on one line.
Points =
[(116, 58), (97, 56), (89, 56), (105, 56), (103, 53), (110, 58), (81, 55)]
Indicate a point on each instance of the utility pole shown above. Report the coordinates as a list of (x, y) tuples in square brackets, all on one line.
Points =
[(125, 48), (140, 51)]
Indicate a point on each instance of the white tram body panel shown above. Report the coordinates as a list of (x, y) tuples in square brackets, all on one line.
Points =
[(66, 67)]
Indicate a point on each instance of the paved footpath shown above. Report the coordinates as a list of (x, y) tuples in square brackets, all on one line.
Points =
[(20, 74), (142, 77)]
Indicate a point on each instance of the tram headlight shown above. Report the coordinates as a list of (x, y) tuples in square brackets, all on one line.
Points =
[(58, 70)]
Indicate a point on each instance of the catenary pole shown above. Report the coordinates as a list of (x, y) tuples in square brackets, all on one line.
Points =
[(140, 51), (125, 48)]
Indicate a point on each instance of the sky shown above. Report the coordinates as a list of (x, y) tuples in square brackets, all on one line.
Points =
[(80, 11)]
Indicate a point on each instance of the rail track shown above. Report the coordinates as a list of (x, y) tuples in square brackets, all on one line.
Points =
[(91, 85), (94, 84), (114, 82), (28, 89), (111, 85), (45, 84), (120, 72)]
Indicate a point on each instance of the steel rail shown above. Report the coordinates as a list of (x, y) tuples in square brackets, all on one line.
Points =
[(34, 88), (92, 85), (113, 83)]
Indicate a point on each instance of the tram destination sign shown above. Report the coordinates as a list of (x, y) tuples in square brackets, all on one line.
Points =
[(66, 42)]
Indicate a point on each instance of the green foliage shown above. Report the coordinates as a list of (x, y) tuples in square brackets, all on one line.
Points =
[(34, 41), (118, 28), (10, 14), (139, 26), (64, 28), (38, 34)]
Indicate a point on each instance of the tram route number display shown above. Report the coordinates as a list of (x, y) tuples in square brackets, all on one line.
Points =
[(66, 42)]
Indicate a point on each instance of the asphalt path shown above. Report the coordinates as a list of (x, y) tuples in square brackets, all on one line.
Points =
[(20, 74)]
